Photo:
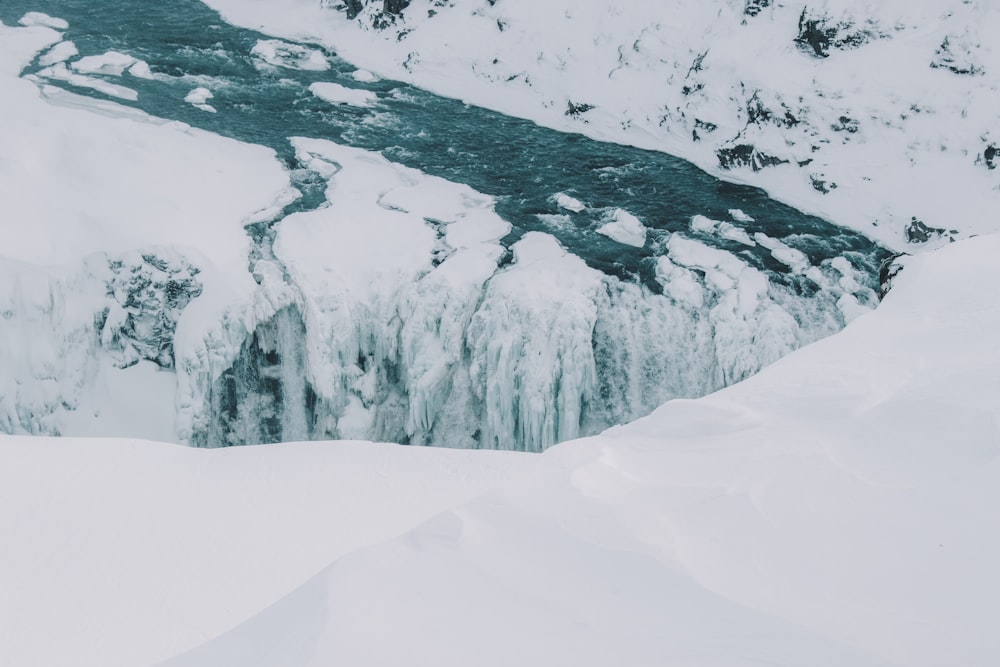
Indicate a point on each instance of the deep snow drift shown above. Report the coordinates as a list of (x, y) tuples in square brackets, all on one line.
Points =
[(836, 509), (881, 116)]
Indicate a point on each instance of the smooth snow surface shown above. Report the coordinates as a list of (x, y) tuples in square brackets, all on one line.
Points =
[(624, 228), (836, 509), (891, 113), (124, 553)]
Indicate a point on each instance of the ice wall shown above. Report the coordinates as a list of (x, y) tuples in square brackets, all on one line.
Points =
[(398, 315)]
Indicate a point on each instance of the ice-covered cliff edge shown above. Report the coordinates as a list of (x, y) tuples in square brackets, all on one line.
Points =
[(123, 252), (836, 509), (881, 116), (391, 312)]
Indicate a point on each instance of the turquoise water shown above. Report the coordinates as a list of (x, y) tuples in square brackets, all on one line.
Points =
[(518, 162)]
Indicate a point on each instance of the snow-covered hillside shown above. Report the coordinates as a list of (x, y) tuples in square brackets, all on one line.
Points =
[(836, 509), (883, 116)]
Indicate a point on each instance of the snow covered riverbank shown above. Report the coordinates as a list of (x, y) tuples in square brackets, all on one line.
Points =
[(838, 508), (875, 115)]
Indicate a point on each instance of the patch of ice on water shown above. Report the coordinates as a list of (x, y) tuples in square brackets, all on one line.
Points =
[(569, 203), (700, 223), (38, 18), (61, 52), (278, 53), (625, 228), (364, 76), (199, 97), (110, 63), (334, 93), (60, 72)]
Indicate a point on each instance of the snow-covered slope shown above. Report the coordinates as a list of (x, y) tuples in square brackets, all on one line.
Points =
[(836, 509), (882, 116), (123, 245)]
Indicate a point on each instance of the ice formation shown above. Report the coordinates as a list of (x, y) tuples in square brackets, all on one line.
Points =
[(398, 310), (391, 318)]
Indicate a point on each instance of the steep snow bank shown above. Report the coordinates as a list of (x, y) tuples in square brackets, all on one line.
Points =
[(867, 113), (838, 508), (123, 241)]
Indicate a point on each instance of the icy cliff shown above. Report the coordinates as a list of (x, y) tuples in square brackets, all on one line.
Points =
[(398, 310)]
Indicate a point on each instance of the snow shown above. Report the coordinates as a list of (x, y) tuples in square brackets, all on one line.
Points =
[(726, 230), (111, 63), (163, 547), (624, 228), (99, 186), (739, 216), (199, 98), (293, 56), (40, 19), (363, 76), (334, 93), (61, 52), (869, 136), (837, 508), (569, 203)]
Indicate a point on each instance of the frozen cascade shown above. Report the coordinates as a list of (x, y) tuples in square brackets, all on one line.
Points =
[(395, 305), (395, 316)]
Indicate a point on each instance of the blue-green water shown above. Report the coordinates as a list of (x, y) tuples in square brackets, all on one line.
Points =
[(518, 162)]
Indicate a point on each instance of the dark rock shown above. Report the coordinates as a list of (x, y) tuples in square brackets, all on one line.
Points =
[(574, 110), (821, 185), (755, 7), (990, 156), (819, 32), (746, 155), (918, 232), (889, 269), (705, 125)]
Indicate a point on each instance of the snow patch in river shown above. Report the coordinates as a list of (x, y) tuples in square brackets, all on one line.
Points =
[(334, 93), (278, 53), (624, 228)]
